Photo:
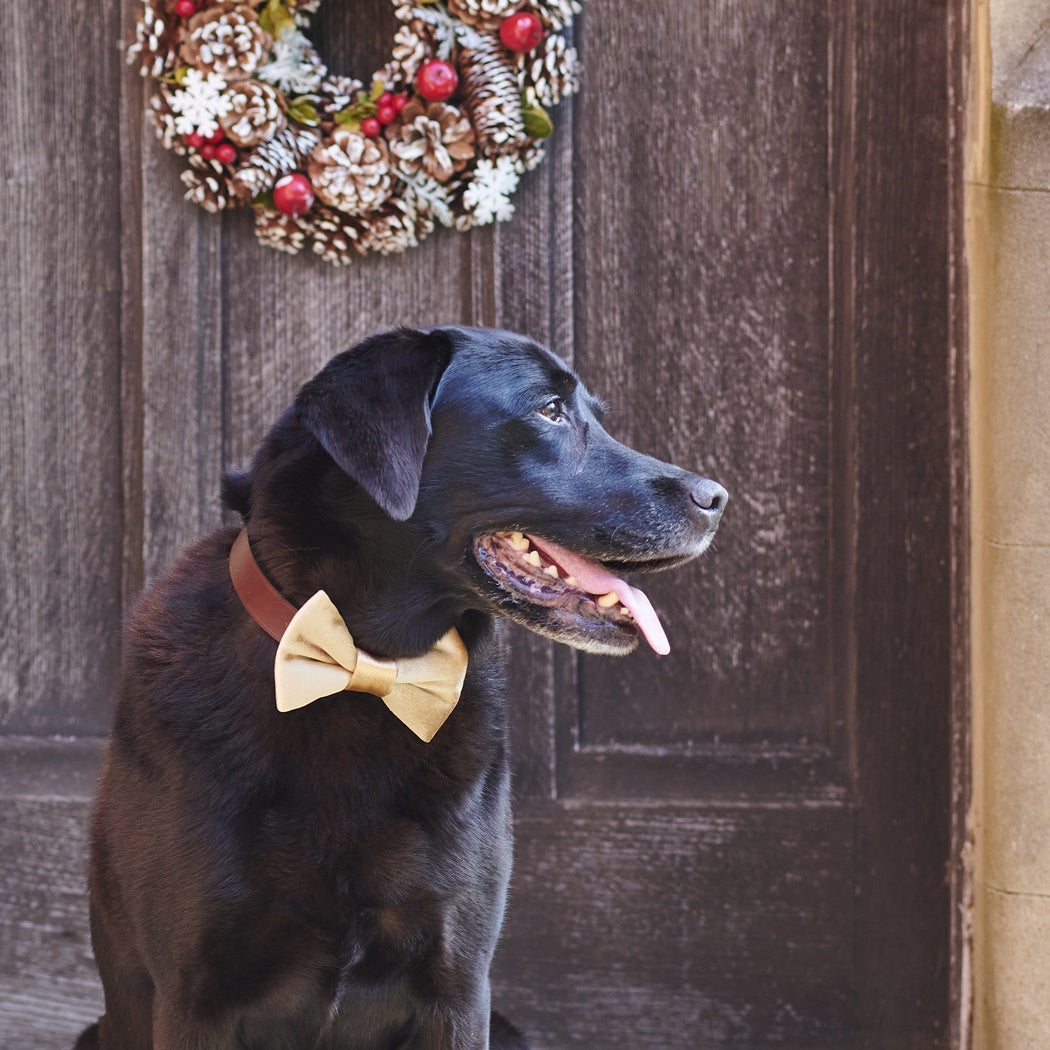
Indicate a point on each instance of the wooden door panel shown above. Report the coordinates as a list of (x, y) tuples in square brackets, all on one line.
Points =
[(658, 927), (703, 261)]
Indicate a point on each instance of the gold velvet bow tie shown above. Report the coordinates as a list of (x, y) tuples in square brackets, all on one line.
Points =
[(316, 654)]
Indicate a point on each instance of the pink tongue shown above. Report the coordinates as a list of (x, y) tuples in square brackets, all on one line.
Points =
[(597, 580)]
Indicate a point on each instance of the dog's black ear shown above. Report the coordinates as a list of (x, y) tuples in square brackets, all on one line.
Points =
[(236, 492), (370, 409)]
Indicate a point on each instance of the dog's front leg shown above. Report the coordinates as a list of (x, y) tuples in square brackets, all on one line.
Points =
[(462, 1026), (174, 1030)]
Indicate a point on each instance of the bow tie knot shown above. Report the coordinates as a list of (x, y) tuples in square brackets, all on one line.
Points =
[(317, 657)]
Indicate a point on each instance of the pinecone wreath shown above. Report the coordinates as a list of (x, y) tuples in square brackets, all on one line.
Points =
[(439, 136)]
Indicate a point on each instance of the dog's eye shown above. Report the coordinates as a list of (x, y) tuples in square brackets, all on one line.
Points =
[(554, 410)]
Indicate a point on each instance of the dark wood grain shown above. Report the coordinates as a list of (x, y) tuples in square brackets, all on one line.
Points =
[(900, 329), (60, 476), (48, 988)]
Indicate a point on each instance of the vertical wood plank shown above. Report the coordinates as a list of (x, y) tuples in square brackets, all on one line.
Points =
[(60, 516), (181, 362), (902, 342)]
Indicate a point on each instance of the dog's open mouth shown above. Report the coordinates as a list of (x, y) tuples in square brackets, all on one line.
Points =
[(578, 590)]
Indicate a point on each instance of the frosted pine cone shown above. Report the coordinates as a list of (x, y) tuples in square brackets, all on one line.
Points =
[(483, 14), (555, 14), (161, 116), (395, 230), (304, 10), (283, 154), (413, 45), (155, 46), (227, 40), (279, 231), (255, 114), (433, 136), (334, 236), (552, 69), (492, 97), (351, 172), (206, 184)]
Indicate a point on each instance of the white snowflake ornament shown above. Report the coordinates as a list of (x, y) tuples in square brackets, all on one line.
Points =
[(488, 195), (199, 103)]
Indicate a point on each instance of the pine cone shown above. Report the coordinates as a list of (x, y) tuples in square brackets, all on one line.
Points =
[(432, 136), (155, 46), (226, 39), (255, 114), (280, 231), (334, 236), (492, 97), (398, 227), (304, 10), (552, 70), (206, 184), (554, 14), (483, 14), (351, 172), (284, 153), (413, 45), (162, 117)]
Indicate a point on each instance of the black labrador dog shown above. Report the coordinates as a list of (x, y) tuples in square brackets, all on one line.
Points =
[(323, 877)]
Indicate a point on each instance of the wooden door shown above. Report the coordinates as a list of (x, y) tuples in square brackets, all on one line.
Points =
[(744, 236), (745, 843)]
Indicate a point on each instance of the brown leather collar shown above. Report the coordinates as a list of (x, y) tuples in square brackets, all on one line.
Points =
[(265, 604)]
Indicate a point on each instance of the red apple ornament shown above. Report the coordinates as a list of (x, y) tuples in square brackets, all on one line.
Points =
[(521, 32), (293, 195), (436, 80)]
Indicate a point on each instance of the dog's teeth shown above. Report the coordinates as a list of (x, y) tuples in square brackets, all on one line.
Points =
[(518, 541), (551, 570), (533, 558), (607, 601), (572, 581)]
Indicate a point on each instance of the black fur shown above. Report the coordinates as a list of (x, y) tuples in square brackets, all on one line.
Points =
[(322, 878)]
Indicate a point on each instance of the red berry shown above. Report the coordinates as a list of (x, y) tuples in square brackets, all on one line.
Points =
[(225, 152), (217, 136), (521, 32), (436, 80), (385, 99), (385, 114), (293, 194), (195, 140), (185, 8), (208, 151), (371, 127), (400, 101)]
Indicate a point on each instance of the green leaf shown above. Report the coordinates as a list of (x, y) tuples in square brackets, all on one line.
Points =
[(538, 124), (345, 119), (264, 200), (303, 110), (363, 106), (275, 18), (378, 87)]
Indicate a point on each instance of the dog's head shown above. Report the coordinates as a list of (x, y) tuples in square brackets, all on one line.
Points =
[(489, 460)]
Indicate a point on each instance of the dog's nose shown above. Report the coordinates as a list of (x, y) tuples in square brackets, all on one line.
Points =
[(710, 498)]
